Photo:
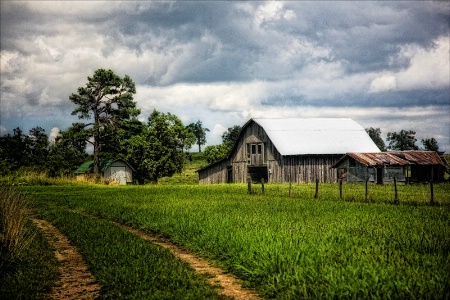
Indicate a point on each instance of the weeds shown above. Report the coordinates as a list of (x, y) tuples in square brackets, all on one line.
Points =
[(27, 265), (15, 237)]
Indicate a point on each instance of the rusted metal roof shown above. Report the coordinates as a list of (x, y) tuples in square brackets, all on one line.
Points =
[(378, 159), (420, 157), (394, 158)]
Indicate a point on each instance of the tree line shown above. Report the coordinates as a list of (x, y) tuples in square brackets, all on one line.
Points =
[(401, 141), (155, 148)]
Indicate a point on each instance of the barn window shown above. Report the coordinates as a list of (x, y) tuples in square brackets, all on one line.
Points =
[(351, 162), (256, 154)]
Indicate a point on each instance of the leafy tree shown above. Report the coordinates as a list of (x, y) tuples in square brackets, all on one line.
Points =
[(37, 148), (13, 151), (231, 135), (104, 102), (158, 151), (112, 138), (199, 132), (430, 144), (404, 140), (23, 151), (215, 153), (68, 151), (375, 135)]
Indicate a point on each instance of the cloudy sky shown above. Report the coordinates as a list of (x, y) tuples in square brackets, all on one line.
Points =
[(384, 64)]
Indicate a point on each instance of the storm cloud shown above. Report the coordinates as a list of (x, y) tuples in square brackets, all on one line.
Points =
[(385, 64)]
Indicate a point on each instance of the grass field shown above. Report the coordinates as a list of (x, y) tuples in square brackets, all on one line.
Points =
[(285, 247)]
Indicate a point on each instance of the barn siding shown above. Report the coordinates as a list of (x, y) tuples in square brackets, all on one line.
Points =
[(295, 168), (359, 172), (214, 174), (308, 168)]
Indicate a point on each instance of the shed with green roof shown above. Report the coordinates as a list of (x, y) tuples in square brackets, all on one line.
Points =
[(116, 170)]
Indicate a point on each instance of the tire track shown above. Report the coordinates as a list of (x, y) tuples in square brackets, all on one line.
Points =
[(229, 285), (76, 281)]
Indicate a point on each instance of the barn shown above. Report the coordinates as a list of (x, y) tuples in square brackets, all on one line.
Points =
[(288, 150), (381, 167), (113, 169)]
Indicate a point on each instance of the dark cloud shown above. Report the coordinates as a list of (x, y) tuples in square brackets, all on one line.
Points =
[(257, 55)]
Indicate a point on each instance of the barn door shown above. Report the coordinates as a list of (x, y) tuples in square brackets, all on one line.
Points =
[(119, 174), (256, 154)]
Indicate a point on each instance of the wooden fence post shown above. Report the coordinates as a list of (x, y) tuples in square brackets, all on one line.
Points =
[(290, 185), (249, 185), (367, 188), (396, 201), (432, 193), (340, 188), (262, 185), (316, 195)]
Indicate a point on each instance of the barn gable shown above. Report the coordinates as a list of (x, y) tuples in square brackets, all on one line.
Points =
[(288, 150)]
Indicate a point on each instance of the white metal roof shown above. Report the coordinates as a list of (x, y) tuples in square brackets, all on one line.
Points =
[(294, 136)]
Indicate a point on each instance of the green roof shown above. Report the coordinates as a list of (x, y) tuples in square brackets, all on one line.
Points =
[(88, 166)]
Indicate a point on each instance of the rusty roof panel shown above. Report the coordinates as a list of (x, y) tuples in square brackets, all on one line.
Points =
[(420, 157), (378, 159), (395, 158)]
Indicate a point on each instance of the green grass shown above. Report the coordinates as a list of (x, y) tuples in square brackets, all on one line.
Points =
[(188, 175), (290, 247), (126, 266), (27, 265), (30, 275)]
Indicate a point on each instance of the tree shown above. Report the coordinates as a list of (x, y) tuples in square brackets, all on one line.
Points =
[(404, 140), (37, 148), (112, 138), (217, 152), (104, 102), (158, 151), (199, 132), (430, 144), (13, 151), (375, 135), (68, 151), (231, 135)]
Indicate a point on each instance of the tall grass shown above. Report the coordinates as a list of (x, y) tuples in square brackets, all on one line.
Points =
[(27, 265), (290, 247), (14, 235)]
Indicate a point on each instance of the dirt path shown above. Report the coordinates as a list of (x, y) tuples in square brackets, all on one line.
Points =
[(76, 281), (229, 285)]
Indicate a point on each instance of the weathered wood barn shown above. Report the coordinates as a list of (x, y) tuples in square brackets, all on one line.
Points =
[(289, 150), (381, 167), (113, 169)]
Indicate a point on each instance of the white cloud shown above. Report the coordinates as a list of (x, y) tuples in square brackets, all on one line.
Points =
[(218, 130), (383, 83), (54, 133), (429, 68)]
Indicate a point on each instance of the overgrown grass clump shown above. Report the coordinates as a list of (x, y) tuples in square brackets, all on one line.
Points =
[(289, 247), (27, 265)]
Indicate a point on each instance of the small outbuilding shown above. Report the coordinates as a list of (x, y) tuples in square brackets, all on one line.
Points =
[(288, 150), (381, 167), (116, 170)]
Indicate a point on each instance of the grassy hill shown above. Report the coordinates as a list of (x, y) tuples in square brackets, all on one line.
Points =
[(188, 175)]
